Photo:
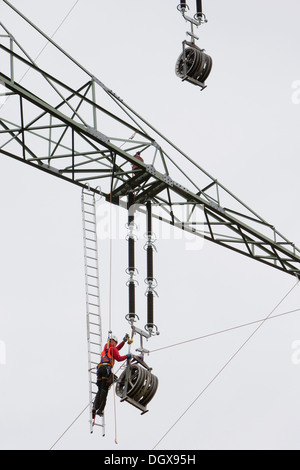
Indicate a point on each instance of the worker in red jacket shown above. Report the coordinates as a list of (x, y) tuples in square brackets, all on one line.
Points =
[(105, 377), (138, 157)]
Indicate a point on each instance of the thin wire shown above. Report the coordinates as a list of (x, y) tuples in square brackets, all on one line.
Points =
[(115, 413), (110, 242), (47, 44), (225, 331), (57, 29), (69, 427), (202, 392), (110, 285), (110, 269), (224, 367)]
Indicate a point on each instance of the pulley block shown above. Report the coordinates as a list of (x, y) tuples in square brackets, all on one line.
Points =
[(193, 65), (137, 385)]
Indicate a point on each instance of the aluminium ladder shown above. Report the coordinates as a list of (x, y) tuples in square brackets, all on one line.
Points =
[(93, 310)]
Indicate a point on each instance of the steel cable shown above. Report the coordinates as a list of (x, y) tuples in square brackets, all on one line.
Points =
[(224, 367)]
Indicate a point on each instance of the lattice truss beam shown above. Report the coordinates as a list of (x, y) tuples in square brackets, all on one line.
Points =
[(74, 127)]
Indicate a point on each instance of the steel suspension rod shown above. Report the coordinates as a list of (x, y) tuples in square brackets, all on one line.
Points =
[(199, 9), (150, 278), (131, 257)]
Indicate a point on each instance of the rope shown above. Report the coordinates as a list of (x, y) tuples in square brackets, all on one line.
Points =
[(225, 331), (69, 427), (110, 243), (47, 43), (63, 434), (224, 367), (115, 413), (110, 285), (56, 31), (216, 376), (110, 270)]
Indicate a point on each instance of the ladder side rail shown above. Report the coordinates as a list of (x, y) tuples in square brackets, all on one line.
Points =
[(92, 285)]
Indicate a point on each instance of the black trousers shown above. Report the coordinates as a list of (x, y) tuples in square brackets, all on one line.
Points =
[(103, 375)]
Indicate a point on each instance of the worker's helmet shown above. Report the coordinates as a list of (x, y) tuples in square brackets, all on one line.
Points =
[(114, 338)]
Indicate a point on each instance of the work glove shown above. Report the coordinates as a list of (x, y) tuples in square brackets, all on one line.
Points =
[(126, 337), (129, 356)]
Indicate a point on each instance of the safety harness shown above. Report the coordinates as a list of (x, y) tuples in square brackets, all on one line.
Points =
[(106, 357)]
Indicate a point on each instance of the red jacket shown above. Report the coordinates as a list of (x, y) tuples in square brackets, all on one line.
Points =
[(110, 355), (138, 157)]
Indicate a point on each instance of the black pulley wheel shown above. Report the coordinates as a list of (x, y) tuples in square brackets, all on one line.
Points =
[(191, 60), (205, 69), (151, 391), (136, 381), (141, 387), (195, 64), (143, 390)]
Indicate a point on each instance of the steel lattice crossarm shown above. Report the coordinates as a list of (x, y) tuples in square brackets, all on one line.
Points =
[(74, 127)]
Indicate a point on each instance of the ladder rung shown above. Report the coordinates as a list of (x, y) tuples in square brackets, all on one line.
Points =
[(94, 314), (94, 277), (95, 334), (89, 221), (92, 323), (89, 204), (88, 212)]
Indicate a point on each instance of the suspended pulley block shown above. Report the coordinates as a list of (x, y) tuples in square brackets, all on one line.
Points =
[(137, 385), (193, 65)]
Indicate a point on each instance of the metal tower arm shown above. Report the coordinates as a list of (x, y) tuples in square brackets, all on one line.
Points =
[(87, 135)]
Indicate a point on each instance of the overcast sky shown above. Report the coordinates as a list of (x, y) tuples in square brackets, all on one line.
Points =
[(244, 130)]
